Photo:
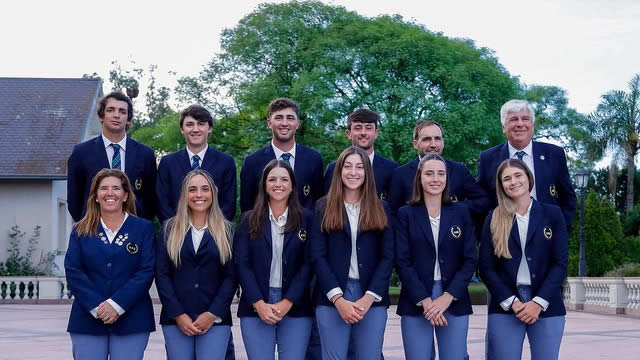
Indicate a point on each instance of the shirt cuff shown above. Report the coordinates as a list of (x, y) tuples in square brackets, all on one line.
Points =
[(116, 307), (376, 297), (542, 302), (333, 292), (506, 304), (217, 319), (94, 312)]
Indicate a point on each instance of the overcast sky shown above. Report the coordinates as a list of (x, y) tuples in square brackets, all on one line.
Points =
[(587, 47)]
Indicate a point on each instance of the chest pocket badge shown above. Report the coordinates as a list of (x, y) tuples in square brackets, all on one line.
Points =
[(456, 232), (552, 191), (138, 184), (302, 234), (132, 248), (547, 232), (453, 198), (306, 190), (383, 196)]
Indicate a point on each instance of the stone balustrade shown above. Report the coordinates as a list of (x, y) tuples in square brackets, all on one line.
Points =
[(603, 295)]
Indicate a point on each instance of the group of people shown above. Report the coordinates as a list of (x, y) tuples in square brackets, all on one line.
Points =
[(313, 253)]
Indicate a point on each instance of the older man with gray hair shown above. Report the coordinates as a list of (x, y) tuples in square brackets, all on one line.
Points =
[(547, 162)]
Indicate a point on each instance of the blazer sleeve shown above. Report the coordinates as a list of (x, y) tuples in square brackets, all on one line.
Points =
[(566, 194), (221, 304), (149, 182), (140, 282), (379, 283), (75, 186), (489, 271), (81, 286), (299, 283), (318, 240), (248, 186), (244, 272), (405, 266), (228, 191), (559, 257), (164, 284), (162, 192), (458, 286)]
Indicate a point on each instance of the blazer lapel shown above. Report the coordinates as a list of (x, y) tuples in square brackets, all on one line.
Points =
[(535, 217), (206, 238), (504, 152), (515, 237), (445, 226), (266, 225), (189, 244), (346, 225), (539, 167), (209, 159), (130, 155), (103, 163), (425, 224), (185, 163)]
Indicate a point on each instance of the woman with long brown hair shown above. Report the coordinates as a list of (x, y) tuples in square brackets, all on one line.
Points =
[(352, 255), (109, 270), (194, 273), (271, 264), (523, 262)]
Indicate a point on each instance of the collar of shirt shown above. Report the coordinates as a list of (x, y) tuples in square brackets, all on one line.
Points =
[(112, 233), (373, 154), (282, 219), (193, 227), (434, 219), (352, 209), (200, 154), (122, 143), (527, 150), (525, 216), (279, 152)]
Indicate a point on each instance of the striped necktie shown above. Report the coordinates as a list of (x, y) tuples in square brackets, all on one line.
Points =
[(195, 164), (285, 157), (115, 161), (520, 154)]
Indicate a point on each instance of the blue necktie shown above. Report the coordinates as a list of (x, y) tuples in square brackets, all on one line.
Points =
[(195, 162), (115, 161), (285, 157), (520, 154)]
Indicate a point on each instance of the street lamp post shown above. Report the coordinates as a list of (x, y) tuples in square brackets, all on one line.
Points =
[(582, 180)]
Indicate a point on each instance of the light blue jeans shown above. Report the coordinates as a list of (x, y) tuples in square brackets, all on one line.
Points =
[(100, 347)]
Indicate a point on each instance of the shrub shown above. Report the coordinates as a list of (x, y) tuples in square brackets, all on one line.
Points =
[(18, 264), (626, 270)]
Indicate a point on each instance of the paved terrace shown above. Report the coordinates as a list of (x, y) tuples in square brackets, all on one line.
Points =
[(38, 332)]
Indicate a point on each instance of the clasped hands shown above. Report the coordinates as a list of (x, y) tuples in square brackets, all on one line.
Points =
[(527, 312), (433, 310), (191, 328), (107, 313), (272, 313), (352, 311)]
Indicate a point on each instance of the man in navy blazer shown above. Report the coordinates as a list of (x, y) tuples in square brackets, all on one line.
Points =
[(428, 137), (547, 162), (195, 124), (282, 119), (112, 149), (362, 130)]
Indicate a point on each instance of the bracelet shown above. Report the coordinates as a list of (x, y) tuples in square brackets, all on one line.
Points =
[(338, 298)]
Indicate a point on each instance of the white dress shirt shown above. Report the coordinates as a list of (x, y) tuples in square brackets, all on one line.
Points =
[(277, 245), (524, 276), (435, 230), (200, 154), (110, 235), (371, 156), (111, 152), (196, 235), (528, 160), (292, 152), (353, 214)]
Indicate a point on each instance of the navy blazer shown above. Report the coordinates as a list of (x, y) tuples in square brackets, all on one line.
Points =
[(307, 169), (382, 171), (175, 166), (89, 157), (331, 256), (201, 283), (97, 270), (252, 259), (553, 185), (462, 186), (547, 251), (416, 256)]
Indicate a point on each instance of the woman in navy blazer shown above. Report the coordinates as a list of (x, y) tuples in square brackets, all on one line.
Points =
[(109, 270), (270, 249), (352, 255), (194, 273), (435, 258), (523, 261)]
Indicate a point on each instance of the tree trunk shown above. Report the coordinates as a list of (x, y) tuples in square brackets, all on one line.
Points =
[(631, 172)]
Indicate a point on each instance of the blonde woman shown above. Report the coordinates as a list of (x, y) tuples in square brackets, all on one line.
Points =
[(194, 274), (109, 269), (523, 262)]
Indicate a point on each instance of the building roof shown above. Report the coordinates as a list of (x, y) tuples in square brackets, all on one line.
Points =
[(40, 122)]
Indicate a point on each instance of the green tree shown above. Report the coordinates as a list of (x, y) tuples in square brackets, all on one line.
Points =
[(332, 61), (615, 125)]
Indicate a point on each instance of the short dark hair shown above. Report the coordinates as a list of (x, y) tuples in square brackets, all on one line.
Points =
[(102, 104), (281, 104), (423, 123), (197, 112), (363, 116)]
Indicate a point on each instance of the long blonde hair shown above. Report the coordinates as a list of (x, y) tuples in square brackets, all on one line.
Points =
[(176, 228), (88, 225), (504, 214)]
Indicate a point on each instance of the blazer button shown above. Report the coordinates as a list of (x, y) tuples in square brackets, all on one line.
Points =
[(284, 262), (533, 276), (444, 278), (441, 261), (196, 286), (528, 258), (359, 265), (108, 264), (358, 247)]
